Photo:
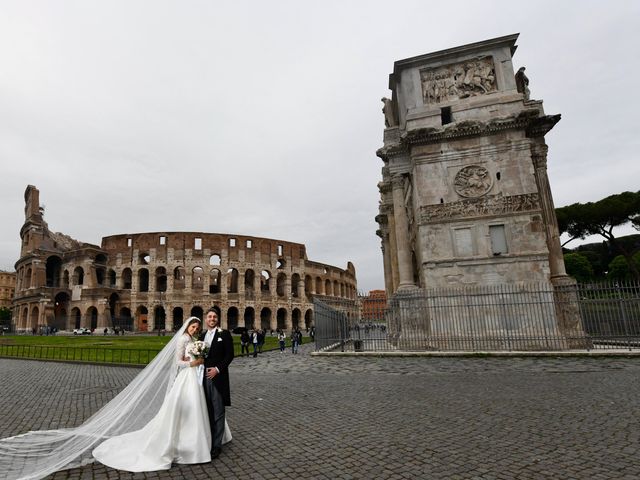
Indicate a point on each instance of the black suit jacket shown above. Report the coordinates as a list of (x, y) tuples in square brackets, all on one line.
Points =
[(220, 356)]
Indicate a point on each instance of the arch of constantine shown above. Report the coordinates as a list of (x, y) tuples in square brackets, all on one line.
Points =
[(153, 281)]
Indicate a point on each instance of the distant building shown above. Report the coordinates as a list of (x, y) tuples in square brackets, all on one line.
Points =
[(374, 305), (7, 288), (153, 281)]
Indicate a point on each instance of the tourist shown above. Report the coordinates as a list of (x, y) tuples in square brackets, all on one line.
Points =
[(244, 342), (261, 336), (254, 340), (281, 339)]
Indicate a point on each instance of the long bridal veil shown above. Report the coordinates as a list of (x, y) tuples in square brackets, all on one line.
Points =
[(37, 454)]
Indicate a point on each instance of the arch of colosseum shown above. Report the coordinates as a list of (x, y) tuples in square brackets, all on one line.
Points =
[(153, 281)]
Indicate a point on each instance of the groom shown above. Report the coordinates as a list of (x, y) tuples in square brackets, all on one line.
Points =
[(216, 377)]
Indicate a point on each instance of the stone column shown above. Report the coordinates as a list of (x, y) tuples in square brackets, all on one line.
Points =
[(565, 288), (556, 260), (386, 260), (301, 292), (170, 280), (405, 267), (104, 315), (241, 286)]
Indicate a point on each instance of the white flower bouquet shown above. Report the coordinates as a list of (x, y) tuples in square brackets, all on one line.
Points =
[(198, 349)]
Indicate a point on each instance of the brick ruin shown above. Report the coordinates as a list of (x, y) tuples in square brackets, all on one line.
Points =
[(153, 281)]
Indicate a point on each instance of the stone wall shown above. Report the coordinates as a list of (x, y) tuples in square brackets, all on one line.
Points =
[(152, 281)]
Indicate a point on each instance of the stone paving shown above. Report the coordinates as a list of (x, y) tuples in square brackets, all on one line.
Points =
[(298, 416)]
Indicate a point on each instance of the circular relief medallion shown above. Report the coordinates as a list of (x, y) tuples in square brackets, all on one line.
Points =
[(472, 181)]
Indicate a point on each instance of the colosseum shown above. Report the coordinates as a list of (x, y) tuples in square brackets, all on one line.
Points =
[(153, 281)]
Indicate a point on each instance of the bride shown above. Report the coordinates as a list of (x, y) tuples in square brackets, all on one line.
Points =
[(179, 432), (158, 419)]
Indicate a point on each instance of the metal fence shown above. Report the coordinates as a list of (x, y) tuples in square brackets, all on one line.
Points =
[(524, 317), (79, 354)]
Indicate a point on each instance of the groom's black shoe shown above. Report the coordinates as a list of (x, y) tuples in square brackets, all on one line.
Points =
[(215, 453)]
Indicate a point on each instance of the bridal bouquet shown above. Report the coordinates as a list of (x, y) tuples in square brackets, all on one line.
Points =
[(198, 349)]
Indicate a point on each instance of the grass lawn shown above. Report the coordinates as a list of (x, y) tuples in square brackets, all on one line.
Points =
[(129, 349)]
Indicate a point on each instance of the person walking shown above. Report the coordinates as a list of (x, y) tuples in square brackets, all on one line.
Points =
[(261, 335), (281, 339), (254, 340), (294, 342), (244, 342)]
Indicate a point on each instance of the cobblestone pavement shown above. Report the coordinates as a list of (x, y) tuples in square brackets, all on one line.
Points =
[(297, 416)]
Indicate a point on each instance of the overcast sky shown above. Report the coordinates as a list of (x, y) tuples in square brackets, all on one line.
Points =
[(263, 118)]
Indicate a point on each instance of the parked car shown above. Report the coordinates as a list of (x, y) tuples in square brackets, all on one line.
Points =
[(81, 331)]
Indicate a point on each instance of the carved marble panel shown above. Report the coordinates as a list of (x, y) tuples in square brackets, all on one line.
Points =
[(478, 207), (458, 81), (472, 181)]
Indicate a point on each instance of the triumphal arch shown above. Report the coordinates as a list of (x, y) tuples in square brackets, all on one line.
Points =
[(465, 196)]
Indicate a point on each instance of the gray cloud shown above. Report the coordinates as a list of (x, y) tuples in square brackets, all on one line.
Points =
[(263, 118)]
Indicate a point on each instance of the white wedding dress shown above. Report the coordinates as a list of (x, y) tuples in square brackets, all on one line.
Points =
[(179, 433)]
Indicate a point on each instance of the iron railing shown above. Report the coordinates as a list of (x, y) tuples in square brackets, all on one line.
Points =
[(525, 317), (79, 354)]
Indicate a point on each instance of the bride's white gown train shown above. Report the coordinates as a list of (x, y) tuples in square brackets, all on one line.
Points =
[(179, 433)]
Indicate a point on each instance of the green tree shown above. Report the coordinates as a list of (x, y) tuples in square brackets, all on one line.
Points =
[(5, 314), (579, 267), (600, 218), (619, 268)]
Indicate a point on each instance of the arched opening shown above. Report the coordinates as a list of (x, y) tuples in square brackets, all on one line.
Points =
[(178, 318), (60, 308), (142, 320), (101, 274), (54, 266), (232, 318), (112, 278), (143, 280), (281, 263), (35, 318), (144, 258), (308, 285), (92, 315), (295, 280), (215, 279), (265, 318), (281, 318), (196, 311), (27, 278), (126, 279), (178, 278), (159, 318), (65, 279), (319, 289), (124, 321), (327, 288), (76, 317), (249, 282), (308, 319), (197, 279), (336, 288), (214, 259), (232, 280), (101, 259), (161, 279), (280, 284), (78, 276), (295, 318), (265, 278), (249, 317)]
